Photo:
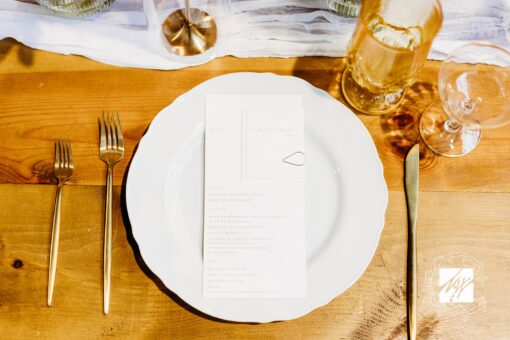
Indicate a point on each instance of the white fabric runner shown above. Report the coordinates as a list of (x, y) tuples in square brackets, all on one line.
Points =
[(128, 34)]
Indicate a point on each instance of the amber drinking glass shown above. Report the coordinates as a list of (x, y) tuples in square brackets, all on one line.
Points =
[(387, 51)]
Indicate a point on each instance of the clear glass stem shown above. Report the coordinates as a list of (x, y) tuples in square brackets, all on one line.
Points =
[(451, 126), (453, 130), (446, 136)]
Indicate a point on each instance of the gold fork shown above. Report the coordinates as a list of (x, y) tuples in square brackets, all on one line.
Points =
[(111, 151), (62, 171)]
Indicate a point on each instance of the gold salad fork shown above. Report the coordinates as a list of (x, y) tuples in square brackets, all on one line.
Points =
[(111, 151), (62, 171)]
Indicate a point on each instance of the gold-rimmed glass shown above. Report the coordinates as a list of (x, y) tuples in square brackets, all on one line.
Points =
[(387, 51)]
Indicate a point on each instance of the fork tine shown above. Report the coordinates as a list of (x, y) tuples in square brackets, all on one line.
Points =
[(113, 131), (69, 153), (108, 130), (120, 137), (57, 154), (102, 132), (64, 153), (67, 163), (106, 119)]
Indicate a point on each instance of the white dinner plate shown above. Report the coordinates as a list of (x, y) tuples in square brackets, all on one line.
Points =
[(345, 192)]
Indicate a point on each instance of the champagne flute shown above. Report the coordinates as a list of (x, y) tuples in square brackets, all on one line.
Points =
[(387, 50), (473, 94)]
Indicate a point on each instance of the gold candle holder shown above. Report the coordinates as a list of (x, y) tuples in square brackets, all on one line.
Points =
[(189, 31)]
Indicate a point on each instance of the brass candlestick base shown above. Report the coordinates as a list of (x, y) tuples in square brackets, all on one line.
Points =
[(188, 37)]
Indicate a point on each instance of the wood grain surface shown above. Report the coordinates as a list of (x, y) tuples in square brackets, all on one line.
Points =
[(464, 214)]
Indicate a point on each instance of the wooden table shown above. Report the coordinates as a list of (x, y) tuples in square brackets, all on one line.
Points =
[(464, 215)]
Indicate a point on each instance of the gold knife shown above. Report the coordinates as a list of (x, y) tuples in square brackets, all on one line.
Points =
[(412, 174)]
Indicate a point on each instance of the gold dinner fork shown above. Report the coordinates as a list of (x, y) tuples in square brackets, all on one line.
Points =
[(111, 151), (62, 171)]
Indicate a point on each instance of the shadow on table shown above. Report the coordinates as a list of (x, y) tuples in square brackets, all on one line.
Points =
[(25, 54), (400, 129), (144, 267), (322, 72)]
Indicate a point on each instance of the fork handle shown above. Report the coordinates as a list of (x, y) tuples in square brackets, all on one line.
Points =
[(107, 265), (55, 234)]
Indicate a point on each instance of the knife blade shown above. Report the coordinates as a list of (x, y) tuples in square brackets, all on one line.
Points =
[(412, 174)]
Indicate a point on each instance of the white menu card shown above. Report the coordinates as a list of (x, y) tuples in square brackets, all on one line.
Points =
[(254, 233)]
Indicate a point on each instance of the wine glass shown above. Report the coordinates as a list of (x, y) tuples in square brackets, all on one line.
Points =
[(387, 50), (474, 90)]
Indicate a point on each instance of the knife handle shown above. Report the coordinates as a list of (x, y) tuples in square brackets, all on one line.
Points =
[(412, 175), (412, 281)]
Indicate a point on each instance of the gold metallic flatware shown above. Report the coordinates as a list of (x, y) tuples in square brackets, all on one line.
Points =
[(111, 151), (62, 171), (412, 174)]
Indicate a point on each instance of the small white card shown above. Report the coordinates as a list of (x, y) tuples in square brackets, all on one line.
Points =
[(254, 232)]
